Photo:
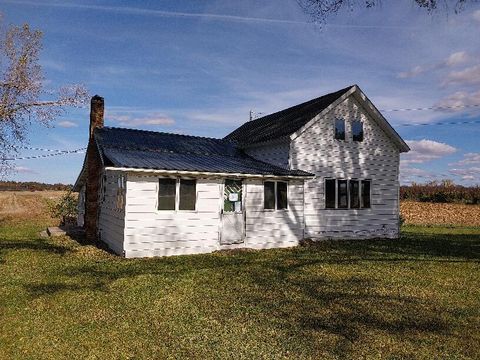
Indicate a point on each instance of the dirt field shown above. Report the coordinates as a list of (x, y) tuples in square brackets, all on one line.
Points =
[(23, 205), (419, 213)]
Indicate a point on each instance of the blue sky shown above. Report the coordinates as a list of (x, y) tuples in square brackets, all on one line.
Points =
[(198, 67)]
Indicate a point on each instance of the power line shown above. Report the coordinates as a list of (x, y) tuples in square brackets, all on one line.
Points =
[(432, 108), (441, 123), (63, 152)]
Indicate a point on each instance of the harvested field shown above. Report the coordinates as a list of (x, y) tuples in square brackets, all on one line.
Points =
[(18, 206), (423, 213)]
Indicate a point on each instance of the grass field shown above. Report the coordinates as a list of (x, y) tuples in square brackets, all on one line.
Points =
[(418, 297)]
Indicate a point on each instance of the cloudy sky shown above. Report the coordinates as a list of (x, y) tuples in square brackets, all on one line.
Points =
[(198, 67)]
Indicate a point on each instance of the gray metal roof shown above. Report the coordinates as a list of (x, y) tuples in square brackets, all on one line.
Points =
[(129, 148), (283, 123)]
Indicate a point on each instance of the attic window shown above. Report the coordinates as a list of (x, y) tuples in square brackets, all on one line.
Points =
[(357, 130), (339, 129)]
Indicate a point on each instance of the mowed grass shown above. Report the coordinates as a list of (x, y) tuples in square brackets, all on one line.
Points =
[(418, 297)]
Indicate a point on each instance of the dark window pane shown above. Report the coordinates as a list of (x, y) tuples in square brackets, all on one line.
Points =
[(357, 130), (282, 195), (188, 194), (269, 195), (342, 194), (354, 194), (233, 190), (340, 129), (366, 193), (166, 194), (330, 193)]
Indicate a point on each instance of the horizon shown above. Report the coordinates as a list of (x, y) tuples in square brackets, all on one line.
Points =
[(200, 68)]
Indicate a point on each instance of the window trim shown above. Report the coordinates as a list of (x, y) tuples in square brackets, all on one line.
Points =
[(363, 131), (177, 195), (344, 129), (275, 208), (348, 193)]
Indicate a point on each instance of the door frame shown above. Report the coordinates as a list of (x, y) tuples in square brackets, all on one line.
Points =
[(243, 212)]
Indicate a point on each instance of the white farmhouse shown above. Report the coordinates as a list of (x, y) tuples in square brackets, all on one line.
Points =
[(326, 168)]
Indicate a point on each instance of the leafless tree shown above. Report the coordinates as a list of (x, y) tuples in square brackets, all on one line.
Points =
[(23, 98), (319, 10)]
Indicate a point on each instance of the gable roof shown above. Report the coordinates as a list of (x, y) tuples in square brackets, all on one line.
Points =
[(140, 149), (284, 122), (295, 120)]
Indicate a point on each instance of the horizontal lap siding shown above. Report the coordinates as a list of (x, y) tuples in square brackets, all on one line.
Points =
[(374, 158), (273, 229), (150, 232), (111, 221)]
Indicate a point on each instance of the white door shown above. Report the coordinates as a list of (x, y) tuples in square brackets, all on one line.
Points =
[(233, 227)]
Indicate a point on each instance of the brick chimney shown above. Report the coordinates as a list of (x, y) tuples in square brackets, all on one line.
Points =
[(94, 170)]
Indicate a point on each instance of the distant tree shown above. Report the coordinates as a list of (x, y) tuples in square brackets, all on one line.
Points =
[(23, 98), (319, 10)]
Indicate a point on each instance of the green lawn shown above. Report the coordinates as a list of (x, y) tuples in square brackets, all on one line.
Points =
[(418, 297)]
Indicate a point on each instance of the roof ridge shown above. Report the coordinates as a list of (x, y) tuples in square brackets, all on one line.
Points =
[(165, 133), (304, 103)]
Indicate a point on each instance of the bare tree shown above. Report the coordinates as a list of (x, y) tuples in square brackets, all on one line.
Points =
[(23, 98), (319, 10)]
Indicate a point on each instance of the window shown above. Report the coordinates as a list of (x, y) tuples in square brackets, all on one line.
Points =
[(347, 194), (340, 129), (342, 194), (168, 190), (354, 194), (281, 195), (275, 195), (269, 195), (357, 130), (120, 198), (365, 193), (330, 186), (188, 194), (166, 194)]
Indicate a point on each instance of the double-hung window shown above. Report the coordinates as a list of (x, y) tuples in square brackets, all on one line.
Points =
[(339, 129), (177, 194), (347, 194), (275, 195)]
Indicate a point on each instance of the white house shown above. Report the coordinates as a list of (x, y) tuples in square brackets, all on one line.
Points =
[(326, 168)]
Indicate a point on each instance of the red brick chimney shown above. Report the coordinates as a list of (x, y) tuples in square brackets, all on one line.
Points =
[(94, 170)]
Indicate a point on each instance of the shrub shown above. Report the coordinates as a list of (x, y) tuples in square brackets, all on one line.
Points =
[(64, 208), (441, 192)]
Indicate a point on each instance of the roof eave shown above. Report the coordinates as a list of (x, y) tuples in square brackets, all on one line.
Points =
[(206, 173)]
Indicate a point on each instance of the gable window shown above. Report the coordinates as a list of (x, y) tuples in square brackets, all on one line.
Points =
[(275, 195), (168, 188), (357, 130), (347, 194), (339, 129)]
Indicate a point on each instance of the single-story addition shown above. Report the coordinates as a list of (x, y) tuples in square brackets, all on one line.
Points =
[(326, 168)]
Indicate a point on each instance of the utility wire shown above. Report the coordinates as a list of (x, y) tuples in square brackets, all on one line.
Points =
[(63, 152), (433, 108)]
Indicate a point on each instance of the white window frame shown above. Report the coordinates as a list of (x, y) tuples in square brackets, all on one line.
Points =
[(348, 194), (177, 195), (275, 195)]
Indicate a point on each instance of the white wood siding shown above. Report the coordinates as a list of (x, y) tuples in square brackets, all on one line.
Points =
[(375, 158), (273, 229), (111, 219), (152, 232), (274, 152)]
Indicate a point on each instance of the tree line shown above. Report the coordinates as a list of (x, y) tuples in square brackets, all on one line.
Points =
[(441, 192)]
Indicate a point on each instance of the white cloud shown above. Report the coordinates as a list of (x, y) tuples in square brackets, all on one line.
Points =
[(472, 173), (457, 58), (131, 121), (67, 124), (468, 159), (470, 75), (24, 170), (459, 100), (426, 150), (453, 59), (476, 15)]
